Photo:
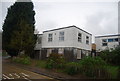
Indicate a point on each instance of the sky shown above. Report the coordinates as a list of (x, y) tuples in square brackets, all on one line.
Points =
[(98, 17)]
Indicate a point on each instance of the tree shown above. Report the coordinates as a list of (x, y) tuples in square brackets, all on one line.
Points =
[(112, 57), (19, 27)]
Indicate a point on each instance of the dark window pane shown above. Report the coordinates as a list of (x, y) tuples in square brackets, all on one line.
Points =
[(116, 39), (110, 40), (104, 40), (104, 44)]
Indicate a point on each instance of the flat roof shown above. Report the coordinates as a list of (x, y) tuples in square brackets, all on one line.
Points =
[(107, 36), (68, 27)]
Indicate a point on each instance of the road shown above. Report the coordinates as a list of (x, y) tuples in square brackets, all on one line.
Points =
[(13, 72)]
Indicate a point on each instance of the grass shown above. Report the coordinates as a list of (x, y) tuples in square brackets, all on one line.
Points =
[(41, 63)]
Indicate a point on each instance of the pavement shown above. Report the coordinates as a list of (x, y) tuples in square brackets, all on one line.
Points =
[(10, 71)]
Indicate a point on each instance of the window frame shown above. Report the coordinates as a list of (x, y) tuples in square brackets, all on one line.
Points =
[(87, 40), (50, 38), (80, 37), (61, 36)]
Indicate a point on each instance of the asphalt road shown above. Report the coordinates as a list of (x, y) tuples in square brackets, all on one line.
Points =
[(12, 72)]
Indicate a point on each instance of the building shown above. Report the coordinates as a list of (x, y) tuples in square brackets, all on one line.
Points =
[(73, 42), (107, 42)]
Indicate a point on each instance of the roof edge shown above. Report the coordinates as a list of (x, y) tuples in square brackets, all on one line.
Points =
[(68, 27), (107, 35)]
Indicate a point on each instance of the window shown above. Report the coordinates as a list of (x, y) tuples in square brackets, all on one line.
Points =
[(79, 37), (104, 44), (110, 40), (49, 37), (39, 40), (104, 40), (116, 39), (61, 36), (87, 40)]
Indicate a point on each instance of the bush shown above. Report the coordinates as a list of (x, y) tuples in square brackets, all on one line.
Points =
[(23, 60), (72, 68), (111, 57), (92, 66), (55, 61)]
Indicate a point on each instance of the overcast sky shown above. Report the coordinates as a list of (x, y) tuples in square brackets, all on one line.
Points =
[(98, 17)]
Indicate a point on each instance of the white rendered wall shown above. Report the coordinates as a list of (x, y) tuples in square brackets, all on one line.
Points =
[(70, 39), (110, 45)]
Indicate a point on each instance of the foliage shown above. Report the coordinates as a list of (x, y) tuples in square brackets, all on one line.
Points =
[(17, 14), (4, 53), (112, 71), (41, 63), (112, 57), (92, 66), (55, 61), (23, 39), (24, 60), (72, 68)]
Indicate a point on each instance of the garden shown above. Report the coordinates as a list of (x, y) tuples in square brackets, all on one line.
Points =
[(103, 66)]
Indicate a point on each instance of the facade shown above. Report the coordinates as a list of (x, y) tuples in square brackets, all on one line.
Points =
[(73, 42), (108, 42)]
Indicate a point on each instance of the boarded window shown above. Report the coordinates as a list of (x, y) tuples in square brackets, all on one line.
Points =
[(78, 54), (61, 51), (49, 51)]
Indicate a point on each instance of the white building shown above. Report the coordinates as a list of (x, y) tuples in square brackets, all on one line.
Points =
[(73, 42), (107, 42)]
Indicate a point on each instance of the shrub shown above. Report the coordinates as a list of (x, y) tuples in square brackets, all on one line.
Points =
[(92, 66), (72, 68), (111, 57), (55, 61), (23, 60)]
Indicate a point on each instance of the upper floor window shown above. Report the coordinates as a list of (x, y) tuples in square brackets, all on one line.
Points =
[(79, 37), (87, 40), (61, 36), (104, 40), (39, 40), (110, 40), (49, 37), (116, 39)]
